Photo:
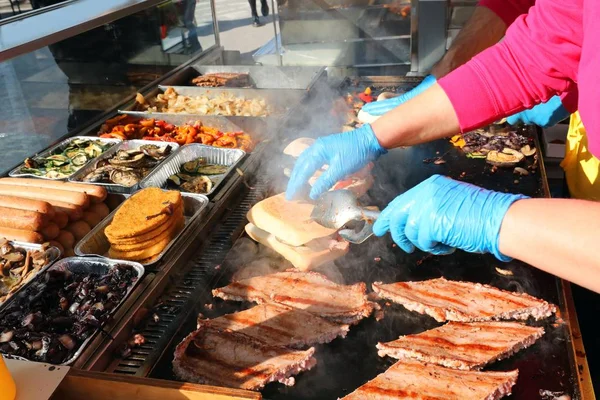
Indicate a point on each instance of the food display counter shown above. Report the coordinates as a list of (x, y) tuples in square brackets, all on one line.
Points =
[(227, 127)]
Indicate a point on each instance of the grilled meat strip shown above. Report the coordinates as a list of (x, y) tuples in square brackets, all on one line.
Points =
[(279, 325), (463, 301), (309, 291), (416, 380), (463, 345), (229, 79), (213, 357)]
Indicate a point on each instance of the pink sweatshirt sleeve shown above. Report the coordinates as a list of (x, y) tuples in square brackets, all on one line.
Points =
[(538, 58), (508, 10)]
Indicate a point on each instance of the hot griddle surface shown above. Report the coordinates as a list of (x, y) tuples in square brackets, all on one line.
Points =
[(345, 364)]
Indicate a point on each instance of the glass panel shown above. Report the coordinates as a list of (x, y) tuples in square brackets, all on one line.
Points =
[(9, 8), (54, 90)]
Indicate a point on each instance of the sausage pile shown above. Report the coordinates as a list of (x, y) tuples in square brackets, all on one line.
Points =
[(38, 211)]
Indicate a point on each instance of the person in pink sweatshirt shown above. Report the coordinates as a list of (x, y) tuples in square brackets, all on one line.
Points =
[(551, 50)]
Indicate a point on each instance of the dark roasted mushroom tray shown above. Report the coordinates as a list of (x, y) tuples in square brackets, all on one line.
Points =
[(53, 318)]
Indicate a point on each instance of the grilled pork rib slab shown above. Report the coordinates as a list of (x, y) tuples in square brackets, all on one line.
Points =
[(230, 79), (446, 300), (213, 357), (463, 345), (416, 380), (279, 325), (308, 291)]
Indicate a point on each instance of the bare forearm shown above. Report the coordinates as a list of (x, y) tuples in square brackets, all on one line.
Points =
[(482, 30), (426, 117), (558, 236)]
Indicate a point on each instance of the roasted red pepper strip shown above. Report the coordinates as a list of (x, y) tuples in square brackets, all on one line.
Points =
[(367, 98)]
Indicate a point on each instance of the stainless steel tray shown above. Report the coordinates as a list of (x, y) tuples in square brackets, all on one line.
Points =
[(16, 172), (53, 255), (126, 145), (89, 265), (96, 243), (270, 77), (213, 155), (282, 98)]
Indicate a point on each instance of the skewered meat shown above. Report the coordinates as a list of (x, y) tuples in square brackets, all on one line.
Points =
[(279, 325), (224, 358), (309, 291), (416, 380), (446, 300), (463, 345)]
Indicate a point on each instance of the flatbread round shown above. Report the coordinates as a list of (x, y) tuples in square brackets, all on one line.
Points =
[(148, 235), (149, 252), (149, 243), (143, 212)]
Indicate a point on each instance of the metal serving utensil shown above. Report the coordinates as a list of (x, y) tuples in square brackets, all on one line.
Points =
[(336, 208)]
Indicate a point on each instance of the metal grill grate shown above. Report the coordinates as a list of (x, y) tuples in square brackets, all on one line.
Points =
[(181, 298)]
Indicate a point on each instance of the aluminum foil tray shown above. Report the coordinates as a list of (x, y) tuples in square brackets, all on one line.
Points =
[(87, 265), (96, 243), (53, 255), (285, 99), (126, 145), (16, 173), (281, 98), (269, 77), (213, 155)]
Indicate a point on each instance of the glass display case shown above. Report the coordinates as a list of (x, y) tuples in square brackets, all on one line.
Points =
[(58, 82)]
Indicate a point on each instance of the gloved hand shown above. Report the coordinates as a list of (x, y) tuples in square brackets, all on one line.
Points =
[(545, 114), (440, 215), (378, 108), (344, 153)]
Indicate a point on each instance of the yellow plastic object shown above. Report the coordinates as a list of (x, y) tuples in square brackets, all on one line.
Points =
[(8, 390), (582, 169), (368, 91)]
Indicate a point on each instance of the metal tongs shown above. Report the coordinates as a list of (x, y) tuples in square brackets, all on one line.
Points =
[(338, 208)]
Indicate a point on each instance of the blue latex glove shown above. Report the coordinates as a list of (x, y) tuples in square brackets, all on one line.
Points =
[(440, 215), (378, 108), (545, 114), (344, 153)]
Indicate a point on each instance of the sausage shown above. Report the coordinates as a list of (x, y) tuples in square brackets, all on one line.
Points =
[(91, 218), (97, 194), (73, 211), (79, 229), (51, 231), (101, 209), (21, 235), (69, 253), (58, 246), (22, 219), (46, 194), (66, 239), (61, 219), (43, 207)]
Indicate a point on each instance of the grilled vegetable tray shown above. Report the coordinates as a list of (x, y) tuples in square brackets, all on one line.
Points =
[(96, 243), (62, 309), (179, 164), (83, 157), (128, 185)]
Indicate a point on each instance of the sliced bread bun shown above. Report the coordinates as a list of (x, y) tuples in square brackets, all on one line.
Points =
[(296, 147), (288, 220), (307, 257)]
